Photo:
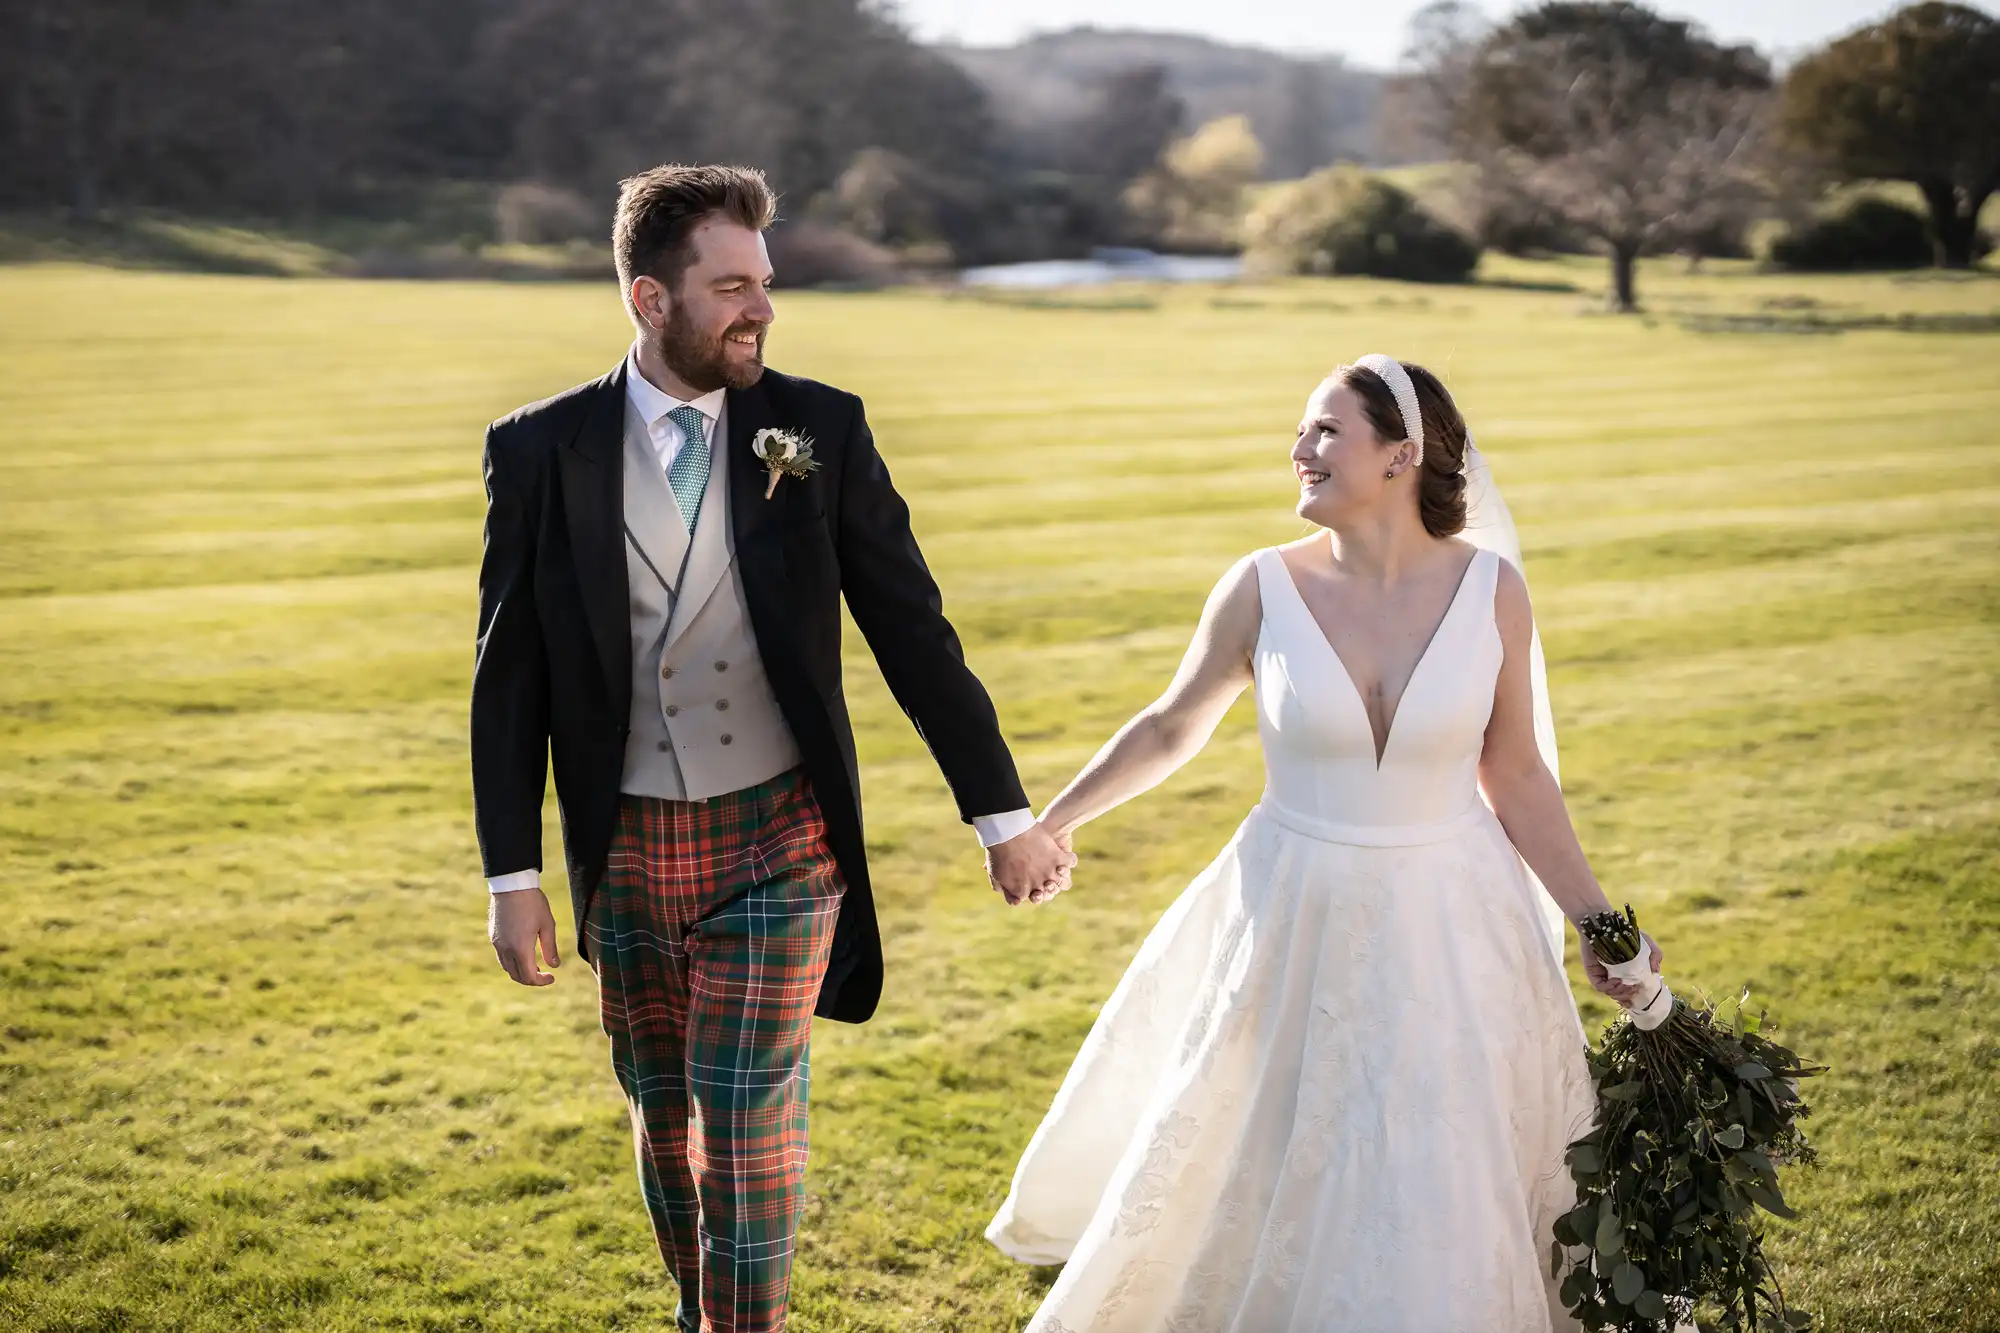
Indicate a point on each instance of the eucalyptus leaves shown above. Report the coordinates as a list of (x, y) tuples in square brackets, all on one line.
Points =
[(784, 453), (1694, 1118)]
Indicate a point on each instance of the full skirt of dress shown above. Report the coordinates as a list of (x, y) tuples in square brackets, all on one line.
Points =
[(1332, 1092)]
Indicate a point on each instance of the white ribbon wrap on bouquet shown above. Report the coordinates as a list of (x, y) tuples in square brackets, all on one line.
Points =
[(1654, 1002)]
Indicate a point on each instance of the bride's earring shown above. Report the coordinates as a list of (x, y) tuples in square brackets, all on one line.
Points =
[(1390, 475)]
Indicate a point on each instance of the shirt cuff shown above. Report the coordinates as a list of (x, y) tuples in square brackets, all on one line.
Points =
[(996, 829), (513, 883)]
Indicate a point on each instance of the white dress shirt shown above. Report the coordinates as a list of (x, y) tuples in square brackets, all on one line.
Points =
[(653, 403)]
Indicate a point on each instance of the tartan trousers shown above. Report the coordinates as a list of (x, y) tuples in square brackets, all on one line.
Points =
[(710, 934)]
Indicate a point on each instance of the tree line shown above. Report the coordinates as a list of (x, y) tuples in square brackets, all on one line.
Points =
[(281, 109), (1579, 122)]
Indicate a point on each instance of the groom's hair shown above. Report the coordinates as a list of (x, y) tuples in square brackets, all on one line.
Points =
[(658, 211)]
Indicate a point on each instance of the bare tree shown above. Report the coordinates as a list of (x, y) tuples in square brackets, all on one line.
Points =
[(1634, 129)]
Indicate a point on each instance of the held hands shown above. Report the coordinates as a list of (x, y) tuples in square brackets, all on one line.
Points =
[(1048, 891), (1593, 967), (516, 922), (1031, 867)]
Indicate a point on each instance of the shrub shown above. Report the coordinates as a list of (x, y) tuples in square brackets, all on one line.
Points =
[(1867, 233), (936, 218), (884, 198), (1345, 221), (530, 213), (1726, 238), (1521, 227), (808, 254)]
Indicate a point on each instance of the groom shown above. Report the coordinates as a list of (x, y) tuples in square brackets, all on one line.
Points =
[(660, 611)]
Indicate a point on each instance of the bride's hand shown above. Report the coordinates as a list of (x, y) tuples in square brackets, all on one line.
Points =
[(1600, 979), (1062, 881)]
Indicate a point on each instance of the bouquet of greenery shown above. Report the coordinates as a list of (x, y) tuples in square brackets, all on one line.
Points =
[(1695, 1114)]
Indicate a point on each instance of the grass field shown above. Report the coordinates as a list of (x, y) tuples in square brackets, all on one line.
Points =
[(258, 1069)]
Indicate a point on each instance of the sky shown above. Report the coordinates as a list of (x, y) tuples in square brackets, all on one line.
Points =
[(1371, 34)]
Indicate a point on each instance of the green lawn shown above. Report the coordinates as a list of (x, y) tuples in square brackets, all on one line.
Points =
[(259, 1070)]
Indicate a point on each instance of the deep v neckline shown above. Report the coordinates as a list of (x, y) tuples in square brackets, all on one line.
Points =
[(1353, 689)]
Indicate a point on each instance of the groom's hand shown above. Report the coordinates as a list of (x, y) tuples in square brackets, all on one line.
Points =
[(1065, 845), (1028, 863), (516, 922)]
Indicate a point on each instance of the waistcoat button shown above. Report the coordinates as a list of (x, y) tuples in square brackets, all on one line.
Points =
[(722, 666), (665, 745), (673, 710), (727, 738), (666, 673), (722, 705)]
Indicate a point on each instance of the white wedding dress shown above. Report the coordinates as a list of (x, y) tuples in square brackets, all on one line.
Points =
[(1332, 1092)]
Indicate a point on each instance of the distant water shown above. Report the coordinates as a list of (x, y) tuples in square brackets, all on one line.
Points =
[(1107, 265)]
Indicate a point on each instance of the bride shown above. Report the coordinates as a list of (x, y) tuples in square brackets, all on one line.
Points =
[(1333, 1090)]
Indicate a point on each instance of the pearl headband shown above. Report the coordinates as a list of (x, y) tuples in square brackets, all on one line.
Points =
[(1392, 374)]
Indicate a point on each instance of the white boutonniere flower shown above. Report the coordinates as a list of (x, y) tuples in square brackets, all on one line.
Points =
[(784, 453)]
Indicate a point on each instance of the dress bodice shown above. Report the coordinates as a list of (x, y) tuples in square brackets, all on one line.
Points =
[(1321, 774)]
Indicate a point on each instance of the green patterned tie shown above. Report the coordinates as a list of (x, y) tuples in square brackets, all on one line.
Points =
[(689, 474)]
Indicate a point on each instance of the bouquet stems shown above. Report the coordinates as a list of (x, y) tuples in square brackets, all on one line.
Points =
[(1695, 1115)]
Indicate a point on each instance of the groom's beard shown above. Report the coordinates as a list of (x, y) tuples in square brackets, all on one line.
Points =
[(703, 363)]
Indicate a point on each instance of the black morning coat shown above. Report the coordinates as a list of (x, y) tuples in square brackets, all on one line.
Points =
[(554, 673)]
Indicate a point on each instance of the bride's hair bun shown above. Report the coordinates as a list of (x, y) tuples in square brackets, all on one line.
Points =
[(1441, 487)]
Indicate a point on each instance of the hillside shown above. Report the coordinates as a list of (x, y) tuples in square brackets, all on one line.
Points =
[(1307, 111)]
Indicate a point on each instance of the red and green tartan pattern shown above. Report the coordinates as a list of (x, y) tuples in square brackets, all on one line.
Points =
[(710, 934)]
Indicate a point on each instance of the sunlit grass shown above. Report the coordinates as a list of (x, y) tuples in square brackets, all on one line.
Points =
[(258, 1070)]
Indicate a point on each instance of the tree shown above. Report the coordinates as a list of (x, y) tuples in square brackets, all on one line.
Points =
[(1638, 130), (83, 92), (1303, 141), (1193, 200), (349, 106), (1915, 98), (595, 89), (1135, 118)]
